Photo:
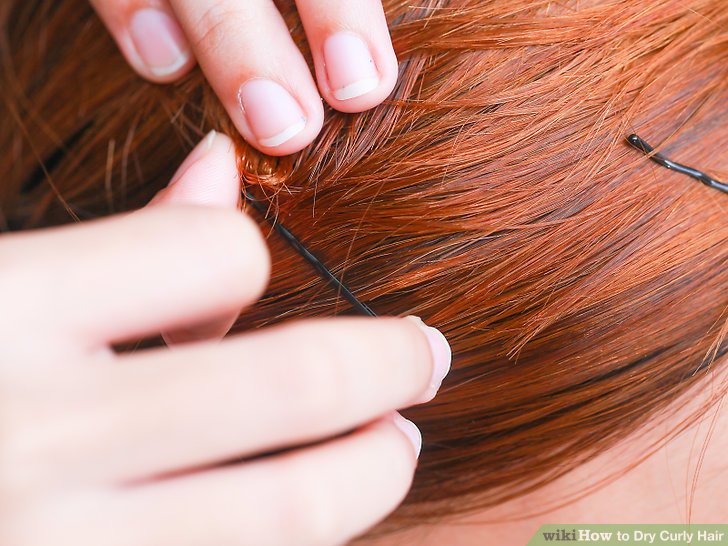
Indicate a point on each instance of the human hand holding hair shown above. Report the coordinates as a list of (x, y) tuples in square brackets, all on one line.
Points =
[(158, 447), (251, 61)]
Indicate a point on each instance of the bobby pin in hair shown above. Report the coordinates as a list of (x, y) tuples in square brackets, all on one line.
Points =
[(660, 159), (362, 308)]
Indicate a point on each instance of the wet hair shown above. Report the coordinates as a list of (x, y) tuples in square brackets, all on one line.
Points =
[(582, 287)]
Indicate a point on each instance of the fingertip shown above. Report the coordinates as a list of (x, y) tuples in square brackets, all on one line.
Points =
[(165, 77), (275, 119), (157, 47), (358, 73), (208, 176), (410, 431), (441, 357)]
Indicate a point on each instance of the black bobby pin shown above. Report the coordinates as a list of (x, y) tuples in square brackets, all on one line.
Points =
[(362, 308), (660, 159)]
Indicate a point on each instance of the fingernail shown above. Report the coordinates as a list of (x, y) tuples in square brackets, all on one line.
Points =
[(349, 66), (273, 114), (410, 430), (159, 41), (204, 146), (441, 354)]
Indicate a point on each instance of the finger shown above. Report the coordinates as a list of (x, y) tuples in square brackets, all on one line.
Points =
[(322, 495), (261, 391), (257, 71), (149, 36), (356, 66), (208, 176), (211, 183), (158, 269)]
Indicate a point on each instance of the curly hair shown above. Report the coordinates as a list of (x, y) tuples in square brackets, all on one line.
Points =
[(582, 287)]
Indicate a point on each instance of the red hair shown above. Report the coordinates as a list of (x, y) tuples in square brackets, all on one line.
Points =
[(583, 289)]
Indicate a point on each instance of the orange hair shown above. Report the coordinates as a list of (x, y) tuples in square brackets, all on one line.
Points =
[(582, 287)]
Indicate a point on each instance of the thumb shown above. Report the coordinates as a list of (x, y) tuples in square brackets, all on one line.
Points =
[(208, 177)]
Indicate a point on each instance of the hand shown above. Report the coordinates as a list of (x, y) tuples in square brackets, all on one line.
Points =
[(251, 61), (99, 448)]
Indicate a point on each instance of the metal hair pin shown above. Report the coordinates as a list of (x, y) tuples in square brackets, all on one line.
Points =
[(660, 159), (317, 264)]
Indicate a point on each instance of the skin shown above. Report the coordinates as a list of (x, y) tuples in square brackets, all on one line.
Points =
[(236, 42), (126, 449), (677, 483)]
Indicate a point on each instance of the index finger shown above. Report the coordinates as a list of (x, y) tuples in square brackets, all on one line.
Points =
[(117, 279)]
